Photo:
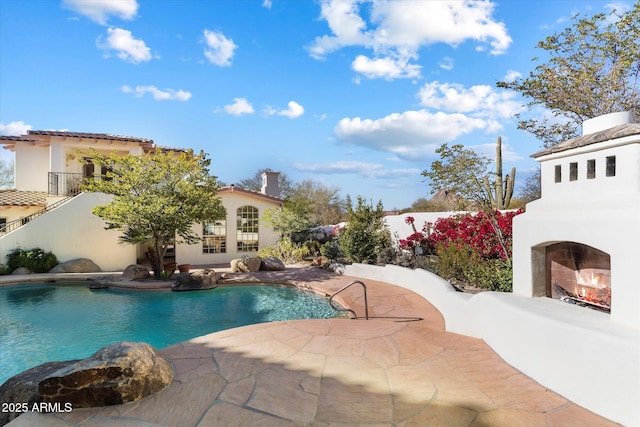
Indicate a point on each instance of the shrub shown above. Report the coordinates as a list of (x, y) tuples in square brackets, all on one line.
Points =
[(331, 250), (35, 260), (4, 269), (469, 252), (365, 234), (285, 250), (463, 266)]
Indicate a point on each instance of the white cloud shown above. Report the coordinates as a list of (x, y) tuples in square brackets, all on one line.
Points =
[(386, 68), (267, 3), (341, 166), (99, 10), (220, 49), (446, 63), (409, 135), (293, 111), (125, 45), (478, 100), (489, 150), (158, 95), (511, 76), (14, 128), (366, 169), (396, 30), (239, 107)]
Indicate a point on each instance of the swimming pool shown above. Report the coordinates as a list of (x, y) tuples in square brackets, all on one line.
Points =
[(46, 322)]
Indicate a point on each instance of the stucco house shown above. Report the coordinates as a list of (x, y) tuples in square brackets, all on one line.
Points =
[(47, 210)]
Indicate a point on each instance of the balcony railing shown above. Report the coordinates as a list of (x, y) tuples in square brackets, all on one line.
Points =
[(64, 183)]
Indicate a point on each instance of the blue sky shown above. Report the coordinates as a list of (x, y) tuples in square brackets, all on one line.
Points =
[(354, 94)]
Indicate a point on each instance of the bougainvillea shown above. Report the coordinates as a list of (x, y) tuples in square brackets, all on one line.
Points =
[(418, 241), (473, 230)]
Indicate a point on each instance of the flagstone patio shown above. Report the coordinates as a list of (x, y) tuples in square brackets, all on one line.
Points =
[(400, 368)]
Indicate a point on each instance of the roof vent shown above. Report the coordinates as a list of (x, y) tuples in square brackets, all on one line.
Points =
[(607, 121)]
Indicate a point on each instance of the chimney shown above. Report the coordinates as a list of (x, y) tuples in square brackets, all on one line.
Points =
[(270, 185), (607, 121)]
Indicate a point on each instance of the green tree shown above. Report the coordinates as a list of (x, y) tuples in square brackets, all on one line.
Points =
[(286, 221), (6, 174), (157, 197), (464, 172), (320, 203), (589, 69), (365, 234)]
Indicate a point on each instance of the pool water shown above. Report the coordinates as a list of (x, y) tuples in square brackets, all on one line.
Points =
[(47, 322)]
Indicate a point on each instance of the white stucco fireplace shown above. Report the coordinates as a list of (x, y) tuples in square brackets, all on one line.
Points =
[(580, 242)]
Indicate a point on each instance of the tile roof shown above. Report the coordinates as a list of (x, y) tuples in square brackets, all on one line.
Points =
[(615, 132), (22, 198), (44, 136), (233, 189), (106, 136)]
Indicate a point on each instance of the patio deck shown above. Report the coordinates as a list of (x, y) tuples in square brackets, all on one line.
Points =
[(400, 368)]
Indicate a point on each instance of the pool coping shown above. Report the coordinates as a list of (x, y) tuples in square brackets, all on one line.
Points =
[(385, 371)]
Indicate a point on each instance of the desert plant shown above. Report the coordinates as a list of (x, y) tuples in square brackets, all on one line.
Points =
[(285, 250), (35, 260), (500, 197)]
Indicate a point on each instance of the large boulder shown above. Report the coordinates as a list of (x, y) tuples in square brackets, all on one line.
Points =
[(79, 265), (21, 270), (136, 272), (23, 388), (246, 265), (199, 280), (119, 373), (272, 264)]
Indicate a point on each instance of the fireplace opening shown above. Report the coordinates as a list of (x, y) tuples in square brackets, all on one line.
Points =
[(579, 274)]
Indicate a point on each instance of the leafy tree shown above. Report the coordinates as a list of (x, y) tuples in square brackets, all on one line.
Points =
[(320, 203), (6, 174), (157, 197), (365, 234), (460, 171), (590, 69), (463, 172), (532, 188), (255, 182), (286, 221)]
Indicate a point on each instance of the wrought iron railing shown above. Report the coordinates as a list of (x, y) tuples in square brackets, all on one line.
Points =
[(64, 183)]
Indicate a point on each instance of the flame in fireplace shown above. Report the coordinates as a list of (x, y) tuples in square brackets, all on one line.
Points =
[(592, 279)]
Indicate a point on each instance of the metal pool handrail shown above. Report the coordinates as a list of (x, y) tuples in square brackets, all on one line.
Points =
[(366, 305)]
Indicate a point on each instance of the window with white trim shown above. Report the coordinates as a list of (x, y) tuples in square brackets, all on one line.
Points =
[(247, 229), (214, 236)]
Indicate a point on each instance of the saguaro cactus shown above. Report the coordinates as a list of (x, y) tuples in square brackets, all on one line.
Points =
[(500, 197)]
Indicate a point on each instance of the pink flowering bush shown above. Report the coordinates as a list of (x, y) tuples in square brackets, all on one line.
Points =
[(467, 248)]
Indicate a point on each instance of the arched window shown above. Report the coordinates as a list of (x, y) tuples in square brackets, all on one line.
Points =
[(247, 228), (214, 236)]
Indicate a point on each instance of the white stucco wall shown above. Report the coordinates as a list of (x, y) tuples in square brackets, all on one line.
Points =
[(399, 229), (12, 213), (576, 352), (192, 254), (72, 231), (31, 167), (625, 181)]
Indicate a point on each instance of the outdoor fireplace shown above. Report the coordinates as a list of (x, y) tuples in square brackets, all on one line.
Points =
[(578, 243), (579, 274)]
